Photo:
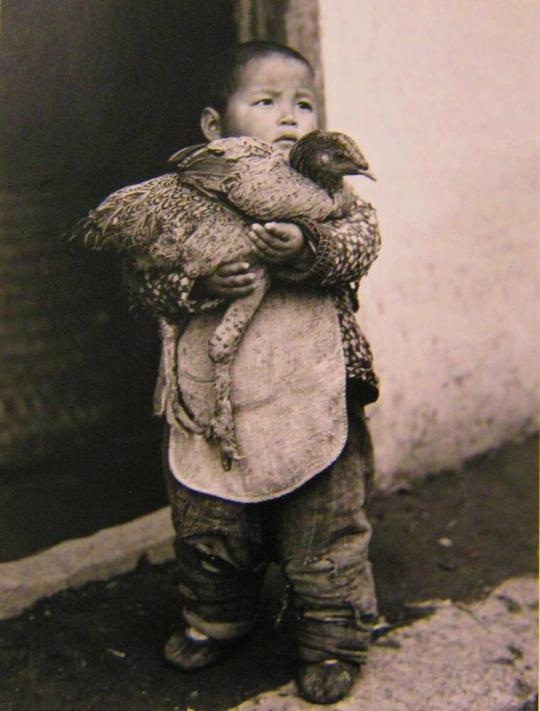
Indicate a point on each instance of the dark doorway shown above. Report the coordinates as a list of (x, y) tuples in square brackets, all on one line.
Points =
[(96, 95)]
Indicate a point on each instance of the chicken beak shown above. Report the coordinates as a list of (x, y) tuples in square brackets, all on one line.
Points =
[(368, 174), (358, 169)]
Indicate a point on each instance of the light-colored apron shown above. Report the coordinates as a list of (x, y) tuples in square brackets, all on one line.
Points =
[(288, 399)]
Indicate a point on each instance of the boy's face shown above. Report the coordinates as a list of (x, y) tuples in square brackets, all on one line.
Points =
[(274, 101)]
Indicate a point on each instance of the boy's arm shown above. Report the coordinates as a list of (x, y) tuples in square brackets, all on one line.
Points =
[(173, 295), (167, 294), (343, 249)]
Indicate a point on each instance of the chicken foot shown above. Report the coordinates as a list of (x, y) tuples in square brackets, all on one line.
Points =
[(223, 348)]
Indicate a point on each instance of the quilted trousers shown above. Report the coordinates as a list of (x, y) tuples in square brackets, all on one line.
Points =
[(319, 534)]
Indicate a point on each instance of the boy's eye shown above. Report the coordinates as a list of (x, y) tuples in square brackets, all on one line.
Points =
[(263, 102), (305, 105)]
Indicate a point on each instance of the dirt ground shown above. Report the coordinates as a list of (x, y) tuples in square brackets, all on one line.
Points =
[(456, 535)]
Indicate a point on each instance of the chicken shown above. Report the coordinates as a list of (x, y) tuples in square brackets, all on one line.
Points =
[(199, 217)]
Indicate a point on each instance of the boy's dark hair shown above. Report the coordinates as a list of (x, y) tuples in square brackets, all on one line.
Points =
[(219, 78)]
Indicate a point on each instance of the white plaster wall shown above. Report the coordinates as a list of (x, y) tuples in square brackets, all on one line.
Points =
[(443, 97)]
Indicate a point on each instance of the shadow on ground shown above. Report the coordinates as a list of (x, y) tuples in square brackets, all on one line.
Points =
[(455, 536)]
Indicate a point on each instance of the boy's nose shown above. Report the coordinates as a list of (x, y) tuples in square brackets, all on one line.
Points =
[(288, 119)]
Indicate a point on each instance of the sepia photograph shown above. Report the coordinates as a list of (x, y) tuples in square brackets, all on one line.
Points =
[(269, 355)]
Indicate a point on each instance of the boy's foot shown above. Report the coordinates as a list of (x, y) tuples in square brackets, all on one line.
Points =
[(187, 649), (326, 682)]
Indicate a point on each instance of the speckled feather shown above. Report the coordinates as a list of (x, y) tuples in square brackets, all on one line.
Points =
[(156, 219), (200, 216), (255, 178)]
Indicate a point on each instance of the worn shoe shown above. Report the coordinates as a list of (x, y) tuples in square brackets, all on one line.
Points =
[(326, 682), (188, 649)]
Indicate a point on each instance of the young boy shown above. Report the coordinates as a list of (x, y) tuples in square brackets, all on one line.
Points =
[(301, 379)]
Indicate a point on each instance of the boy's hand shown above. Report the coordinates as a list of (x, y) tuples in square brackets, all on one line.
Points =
[(277, 242), (230, 281)]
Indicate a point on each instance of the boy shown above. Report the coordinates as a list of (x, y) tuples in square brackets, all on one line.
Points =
[(298, 402)]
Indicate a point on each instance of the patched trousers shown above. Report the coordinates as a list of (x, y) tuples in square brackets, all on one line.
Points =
[(319, 534)]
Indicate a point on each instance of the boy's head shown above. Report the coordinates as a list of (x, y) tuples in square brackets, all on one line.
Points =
[(260, 89)]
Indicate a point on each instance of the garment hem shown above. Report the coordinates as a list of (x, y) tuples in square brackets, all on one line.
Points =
[(265, 497)]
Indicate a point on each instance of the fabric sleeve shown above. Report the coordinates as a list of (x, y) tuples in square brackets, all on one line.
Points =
[(343, 248), (164, 293)]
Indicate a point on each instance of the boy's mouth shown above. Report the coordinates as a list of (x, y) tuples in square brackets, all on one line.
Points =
[(287, 139)]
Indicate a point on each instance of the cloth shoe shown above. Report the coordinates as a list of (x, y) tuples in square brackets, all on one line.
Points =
[(188, 649), (326, 682)]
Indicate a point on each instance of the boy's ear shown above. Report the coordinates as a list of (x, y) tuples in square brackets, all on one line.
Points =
[(210, 123)]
